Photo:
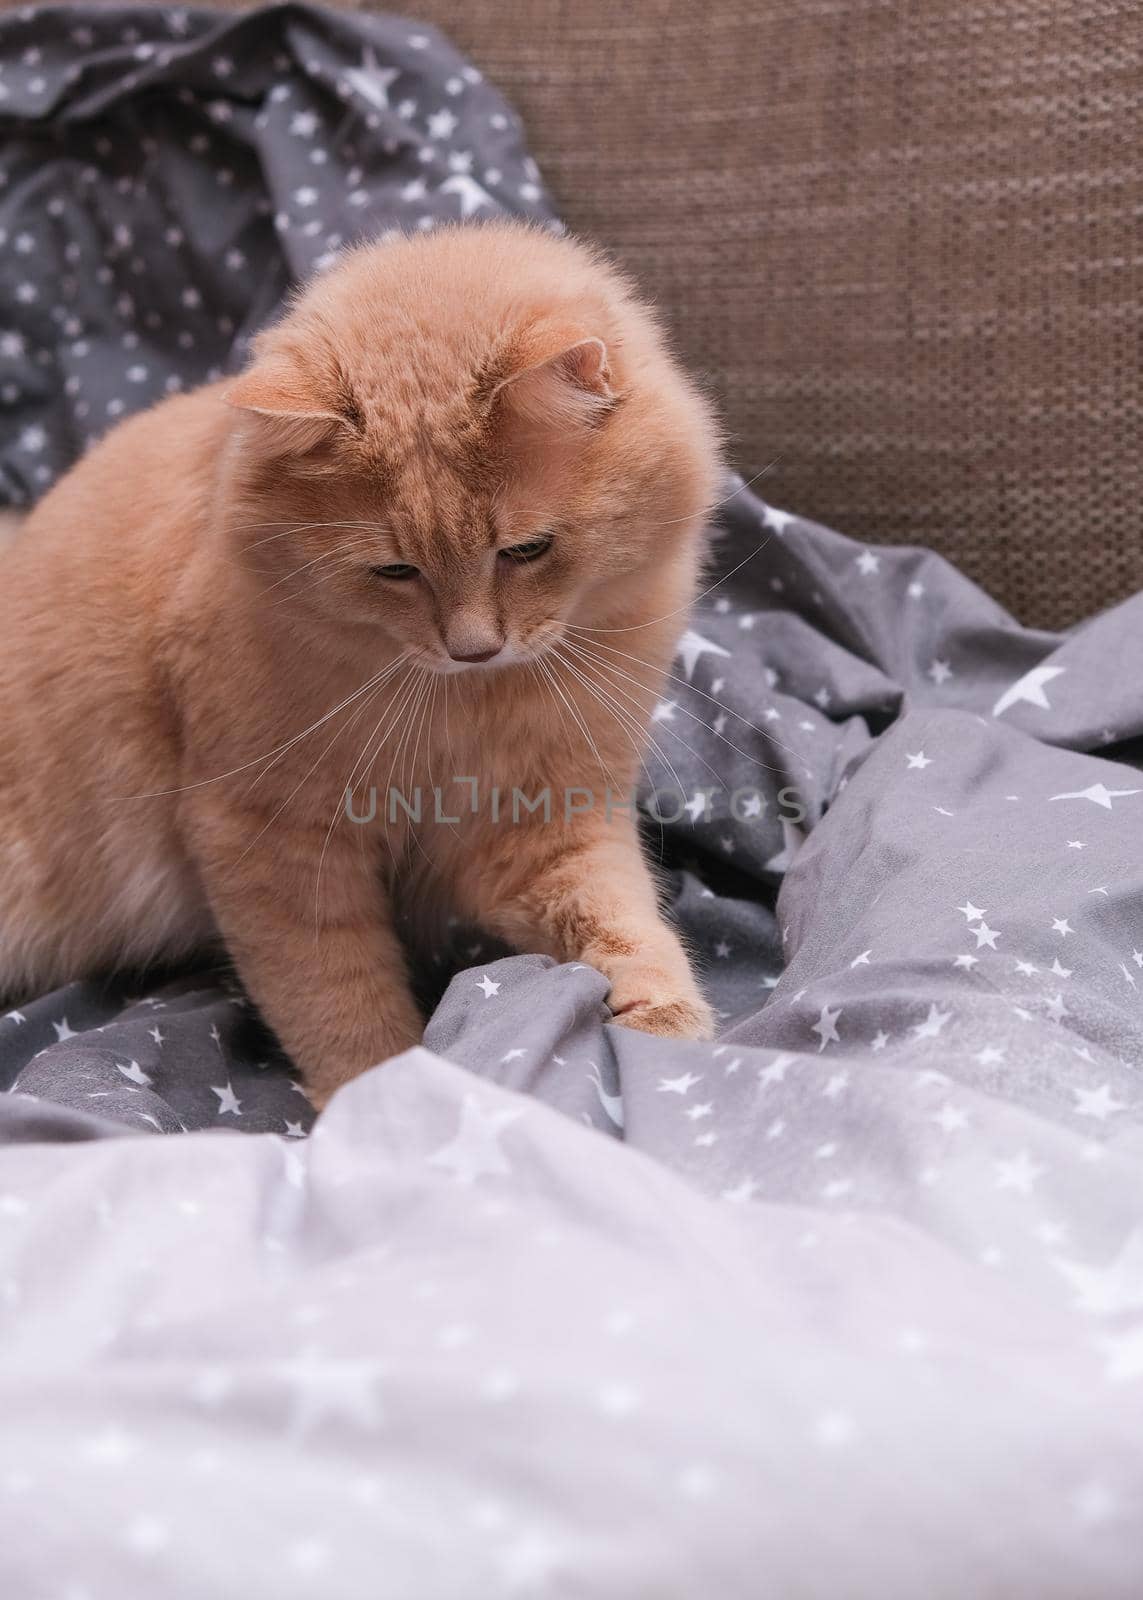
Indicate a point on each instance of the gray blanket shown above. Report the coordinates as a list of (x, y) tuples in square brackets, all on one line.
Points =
[(847, 1304), (850, 1302)]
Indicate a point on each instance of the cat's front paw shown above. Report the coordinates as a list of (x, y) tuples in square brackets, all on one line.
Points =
[(656, 1002)]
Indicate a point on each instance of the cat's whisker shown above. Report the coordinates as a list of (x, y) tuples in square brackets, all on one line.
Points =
[(326, 555), (427, 700), (679, 611), (278, 751), (344, 562), (617, 672), (687, 606), (353, 541), (408, 712), (364, 756), (439, 678), (625, 723), (299, 527), (686, 684), (393, 709), (424, 722), (364, 708), (408, 716), (547, 678), (672, 522), (603, 695), (448, 739), (352, 536), (289, 798), (370, 750), (575, 673), (358, 543), (642, 721), (374, 684), (542, 673), (551, 677), (642, 709), (384, 727), (580, 722), (636, 627), (535, 670), (634, 732), (281, 522)]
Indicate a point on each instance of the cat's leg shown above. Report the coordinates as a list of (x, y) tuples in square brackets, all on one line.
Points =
[(593, 899), (326, 970)]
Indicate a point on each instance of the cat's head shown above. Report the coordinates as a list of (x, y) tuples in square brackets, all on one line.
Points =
[(462, 442)]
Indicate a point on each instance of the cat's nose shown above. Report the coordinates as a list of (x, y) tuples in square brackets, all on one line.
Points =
[(471, 634), (481, 655)]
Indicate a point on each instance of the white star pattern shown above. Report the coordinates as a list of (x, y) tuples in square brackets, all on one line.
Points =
[(692, 646), (777, 1069), (681, 1085), (475, 1151), (1019, 1173), (826, 1027), (1055, 1008), (1028, 689), (327, 1387), (932, 1025), (1099, 1103), (371, 81), (471, 196), (1098, 794)]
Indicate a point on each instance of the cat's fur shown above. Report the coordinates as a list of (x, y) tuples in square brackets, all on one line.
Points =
[(199, 592)]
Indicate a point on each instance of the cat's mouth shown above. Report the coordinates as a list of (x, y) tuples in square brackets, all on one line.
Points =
[(510, 654), (450, 666)]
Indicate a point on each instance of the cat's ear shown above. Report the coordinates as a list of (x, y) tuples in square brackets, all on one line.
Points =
[(560, 377), (297, 415)]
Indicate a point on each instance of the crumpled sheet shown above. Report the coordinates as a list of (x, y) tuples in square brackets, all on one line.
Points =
[(168, 173), (848, 1302)]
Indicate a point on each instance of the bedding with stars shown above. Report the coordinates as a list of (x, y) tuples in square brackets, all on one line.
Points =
[(849, 1302)]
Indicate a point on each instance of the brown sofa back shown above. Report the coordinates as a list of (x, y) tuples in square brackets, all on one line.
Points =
[(904, 242)]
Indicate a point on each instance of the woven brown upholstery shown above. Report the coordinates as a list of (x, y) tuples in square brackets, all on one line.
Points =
[(904, 242)]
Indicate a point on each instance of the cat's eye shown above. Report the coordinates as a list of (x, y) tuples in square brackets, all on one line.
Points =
[(531, 551), (399, 571)]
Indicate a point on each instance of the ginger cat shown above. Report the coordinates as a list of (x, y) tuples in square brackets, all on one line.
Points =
[(458, 477)]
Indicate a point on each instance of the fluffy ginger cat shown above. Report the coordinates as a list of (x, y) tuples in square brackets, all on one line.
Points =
[(460, 475)]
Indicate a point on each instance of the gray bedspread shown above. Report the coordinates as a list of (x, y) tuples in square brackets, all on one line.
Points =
[(848, 1303)]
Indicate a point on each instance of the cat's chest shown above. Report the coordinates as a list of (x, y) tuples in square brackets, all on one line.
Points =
[(543, 730), (470, 778), (462, 778)]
